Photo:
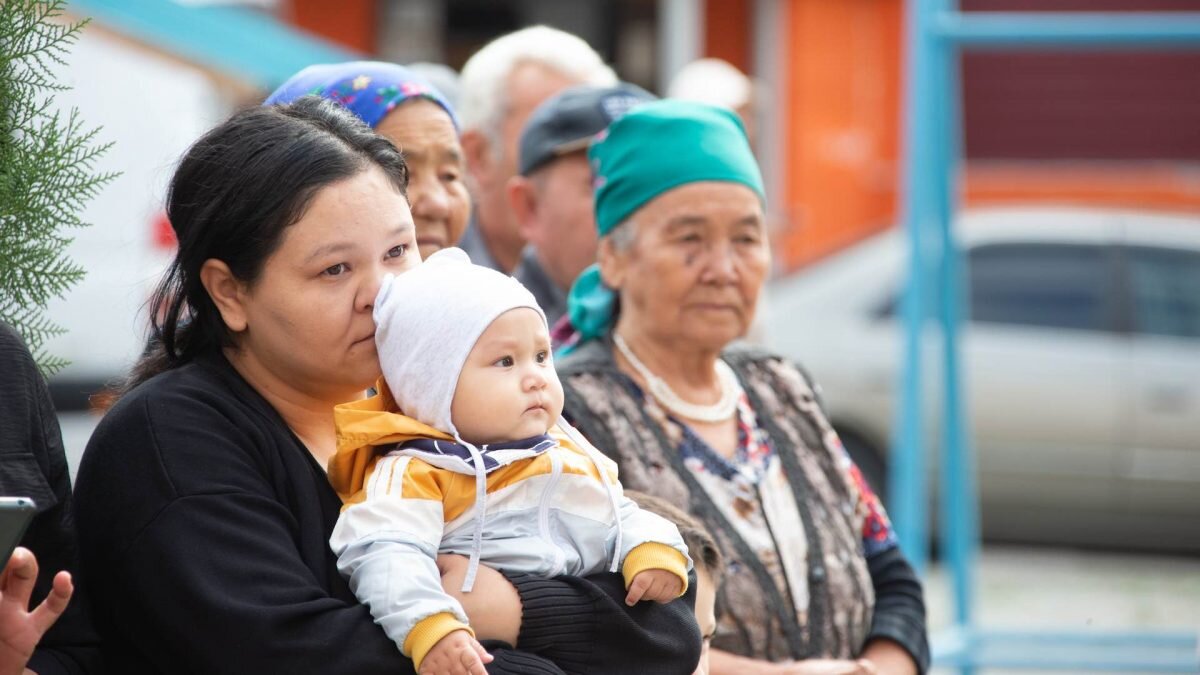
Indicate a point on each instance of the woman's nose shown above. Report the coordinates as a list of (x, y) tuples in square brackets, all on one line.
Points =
[(722, 264), (430, 198), (369, 290)]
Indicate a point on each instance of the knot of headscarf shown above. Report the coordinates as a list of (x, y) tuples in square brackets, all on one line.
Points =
[(654, 148), (369, 89)]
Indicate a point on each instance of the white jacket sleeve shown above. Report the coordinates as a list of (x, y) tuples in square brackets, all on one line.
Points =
[(387, 547), (639, 526)]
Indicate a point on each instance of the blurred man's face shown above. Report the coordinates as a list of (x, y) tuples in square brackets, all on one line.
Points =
[(562, 226), (491, 167)]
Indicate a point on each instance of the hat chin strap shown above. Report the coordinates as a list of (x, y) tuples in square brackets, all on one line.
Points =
[(480, 511), (481, 500)]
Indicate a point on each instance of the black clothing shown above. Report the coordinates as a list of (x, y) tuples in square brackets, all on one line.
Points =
[(205, 526), (33, 464)]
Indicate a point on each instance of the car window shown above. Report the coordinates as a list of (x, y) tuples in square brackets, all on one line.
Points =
[(1047, 285), (1166, 291)]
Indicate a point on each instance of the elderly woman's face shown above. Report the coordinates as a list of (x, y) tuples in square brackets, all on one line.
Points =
[(696, 264), (440, 204)]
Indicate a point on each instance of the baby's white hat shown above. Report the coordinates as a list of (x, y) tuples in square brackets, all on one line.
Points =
[(428, 319)]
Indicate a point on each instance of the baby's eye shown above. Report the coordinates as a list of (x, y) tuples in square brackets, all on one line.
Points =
[(397, 251), (543, 356), (336, 270), (506, 362)]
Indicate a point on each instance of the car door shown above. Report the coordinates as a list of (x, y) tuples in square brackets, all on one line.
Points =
[(1161, 469), (1043, 358)]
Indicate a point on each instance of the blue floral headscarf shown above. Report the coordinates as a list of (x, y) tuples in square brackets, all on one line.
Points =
[(369, 89)]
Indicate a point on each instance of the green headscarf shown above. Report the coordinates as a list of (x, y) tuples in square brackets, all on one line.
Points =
[(652, 149)]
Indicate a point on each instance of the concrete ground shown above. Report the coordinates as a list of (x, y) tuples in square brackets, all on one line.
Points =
[(1021, 588)]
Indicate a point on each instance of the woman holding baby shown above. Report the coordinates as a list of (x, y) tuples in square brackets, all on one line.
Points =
[(203, 503)]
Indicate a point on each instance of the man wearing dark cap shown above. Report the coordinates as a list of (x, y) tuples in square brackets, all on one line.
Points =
[(551, 195)]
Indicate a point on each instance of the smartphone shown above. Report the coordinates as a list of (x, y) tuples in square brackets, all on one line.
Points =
[(15, 515)]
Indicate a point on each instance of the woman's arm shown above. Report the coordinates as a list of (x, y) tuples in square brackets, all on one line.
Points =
[(582, 624), (897, 641)]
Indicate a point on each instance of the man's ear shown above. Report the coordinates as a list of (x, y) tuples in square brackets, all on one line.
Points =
[(226, 293), (612, 262), (477, 150), (522, 199)]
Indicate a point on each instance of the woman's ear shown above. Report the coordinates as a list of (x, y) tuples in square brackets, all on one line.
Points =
[(612, 262), (226, 293)]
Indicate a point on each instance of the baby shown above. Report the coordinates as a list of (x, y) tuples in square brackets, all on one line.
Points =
[(479, 463)]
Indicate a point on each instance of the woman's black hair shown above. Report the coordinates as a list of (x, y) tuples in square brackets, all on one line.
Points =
[(236, 191)]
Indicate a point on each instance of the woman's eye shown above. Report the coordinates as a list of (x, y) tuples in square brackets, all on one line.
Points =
[(449, 176), (506, 362), (397, 251), (335, 270)]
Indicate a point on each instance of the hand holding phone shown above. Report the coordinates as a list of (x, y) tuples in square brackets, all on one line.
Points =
[(15, 515), (21, 629)]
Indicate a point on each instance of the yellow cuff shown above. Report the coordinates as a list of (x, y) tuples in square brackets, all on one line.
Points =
[(655, 556), (427, 632)]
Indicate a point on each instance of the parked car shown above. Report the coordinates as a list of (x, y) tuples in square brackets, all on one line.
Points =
[(1081, 363)]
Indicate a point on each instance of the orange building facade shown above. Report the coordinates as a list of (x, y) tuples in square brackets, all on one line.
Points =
[(1109, 129)]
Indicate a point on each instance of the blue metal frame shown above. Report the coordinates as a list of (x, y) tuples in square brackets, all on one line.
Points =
[(936, 32)]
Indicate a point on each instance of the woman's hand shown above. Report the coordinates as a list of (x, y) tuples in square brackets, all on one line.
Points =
[(493, 607), (20, 629), (725, 663), (827, 667)]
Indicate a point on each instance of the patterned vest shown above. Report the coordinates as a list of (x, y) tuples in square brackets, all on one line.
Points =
[(825, 611)]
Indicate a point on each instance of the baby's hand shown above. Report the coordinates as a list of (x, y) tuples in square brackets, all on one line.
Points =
[(456, 654), (657, 585)]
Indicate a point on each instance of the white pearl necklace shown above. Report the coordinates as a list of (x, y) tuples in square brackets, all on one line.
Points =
[(731, 390)]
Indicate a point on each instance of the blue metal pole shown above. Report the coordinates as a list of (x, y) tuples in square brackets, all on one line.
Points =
[(1064, 30), (908, 478), (957, 489)]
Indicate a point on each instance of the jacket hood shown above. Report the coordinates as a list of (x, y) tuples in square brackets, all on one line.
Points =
[(361, 426)]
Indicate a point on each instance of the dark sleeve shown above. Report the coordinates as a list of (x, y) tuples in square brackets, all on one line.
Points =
[(584, 626), (34, 464), (195, 561), (899, 605)]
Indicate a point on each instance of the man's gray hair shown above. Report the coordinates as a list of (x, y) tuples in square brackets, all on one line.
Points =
[(483, 101)]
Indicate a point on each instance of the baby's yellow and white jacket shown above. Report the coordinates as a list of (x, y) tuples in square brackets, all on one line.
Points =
[(411, 492)]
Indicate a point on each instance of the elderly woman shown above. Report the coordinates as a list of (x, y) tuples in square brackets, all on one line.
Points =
[(814, 580), (407, 110)]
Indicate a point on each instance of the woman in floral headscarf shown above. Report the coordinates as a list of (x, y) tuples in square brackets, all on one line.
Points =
[(406, 109), (815, 582)]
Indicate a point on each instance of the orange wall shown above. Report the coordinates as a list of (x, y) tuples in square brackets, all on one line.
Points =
[(841, 104), (727, 25), (842, 110), (350, 23)]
